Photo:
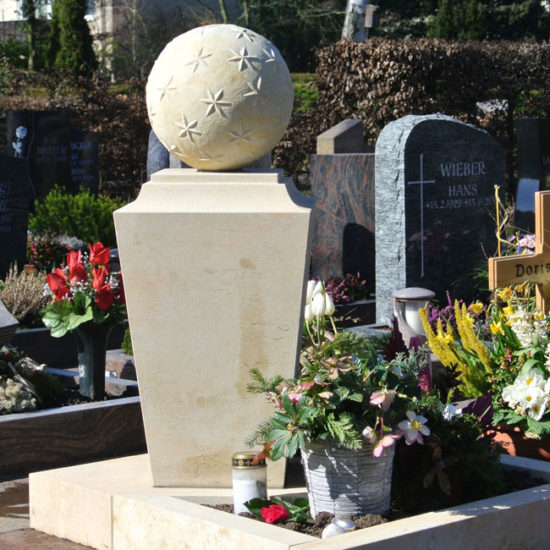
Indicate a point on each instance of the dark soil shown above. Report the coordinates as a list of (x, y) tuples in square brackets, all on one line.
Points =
[(515, 481)]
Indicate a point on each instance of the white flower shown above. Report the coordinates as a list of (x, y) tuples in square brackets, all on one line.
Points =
[(329, 304), (308, 314), (309, 292), (318, 305), (414, 428), (450, 411)]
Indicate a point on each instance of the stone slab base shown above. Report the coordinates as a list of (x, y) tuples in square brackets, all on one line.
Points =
[(113, 505)]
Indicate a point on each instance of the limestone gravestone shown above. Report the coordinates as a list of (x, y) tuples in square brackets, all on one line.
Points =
[(533, 145), (15, 198), (223, 291), (434, 198), (342, 183)]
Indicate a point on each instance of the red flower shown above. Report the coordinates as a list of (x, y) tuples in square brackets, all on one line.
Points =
[(74, 258), (274, 513), (100, 276), (99, 254), (78, 274), (104, 298), (58, 284)]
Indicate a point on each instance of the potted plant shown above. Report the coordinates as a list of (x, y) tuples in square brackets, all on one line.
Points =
[(344, 413), (88, 299), (350, 295), (503, 351)]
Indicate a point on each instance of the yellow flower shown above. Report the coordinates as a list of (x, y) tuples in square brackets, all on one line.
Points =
[(509, 310), (496, 328), (539, 316), (505, 294), (476, 308)]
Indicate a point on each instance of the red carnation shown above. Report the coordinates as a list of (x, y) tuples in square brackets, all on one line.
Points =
[(99, 254), (104, 298), (274, 513)]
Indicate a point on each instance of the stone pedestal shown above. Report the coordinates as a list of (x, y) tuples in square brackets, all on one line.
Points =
[(214, 272)]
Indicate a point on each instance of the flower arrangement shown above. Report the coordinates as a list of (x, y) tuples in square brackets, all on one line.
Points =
[(84, 291), (345, 391), (45, 251), (514, 366)]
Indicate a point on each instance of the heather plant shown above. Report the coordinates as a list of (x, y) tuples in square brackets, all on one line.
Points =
[(23, 295), (348, 289)]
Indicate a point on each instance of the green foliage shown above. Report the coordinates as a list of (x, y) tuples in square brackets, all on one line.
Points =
[(71, 41), (14, 53), (126, 344), (83, 215), (454, 464), (305, 92)]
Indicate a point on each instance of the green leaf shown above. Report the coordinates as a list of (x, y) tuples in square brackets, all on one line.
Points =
[(356, 397)]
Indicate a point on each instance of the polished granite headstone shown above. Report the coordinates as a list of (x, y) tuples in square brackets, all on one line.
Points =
[(15, 199), (533, 141), (343, 223), (434, 201), (84, 160)]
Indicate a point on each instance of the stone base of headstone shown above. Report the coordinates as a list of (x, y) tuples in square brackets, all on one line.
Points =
[(214, 273)]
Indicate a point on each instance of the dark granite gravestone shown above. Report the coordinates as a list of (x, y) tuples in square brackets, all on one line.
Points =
[(343, 221), (342, 182), (8, 325), (15, 198), (48, 134), (434, 201), (533, 141), (84, 160)]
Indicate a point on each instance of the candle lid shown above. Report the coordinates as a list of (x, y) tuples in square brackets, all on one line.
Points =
[(245, 459)]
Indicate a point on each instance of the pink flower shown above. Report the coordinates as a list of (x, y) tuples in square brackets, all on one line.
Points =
[(385, 442), (383, 398)]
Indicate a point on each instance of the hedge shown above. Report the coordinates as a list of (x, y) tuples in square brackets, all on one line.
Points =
[(381, 80)]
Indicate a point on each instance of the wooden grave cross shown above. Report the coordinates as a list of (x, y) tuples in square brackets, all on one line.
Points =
[(535, 268)]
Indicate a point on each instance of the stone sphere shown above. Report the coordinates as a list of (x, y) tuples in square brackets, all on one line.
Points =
[(219, 97)]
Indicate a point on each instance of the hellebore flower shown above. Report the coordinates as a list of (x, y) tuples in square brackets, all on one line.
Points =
[(387, 441), (414, 428), (383, 399)]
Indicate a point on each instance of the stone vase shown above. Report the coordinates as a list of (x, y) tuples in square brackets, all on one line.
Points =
[(347, 482), (92, 349)]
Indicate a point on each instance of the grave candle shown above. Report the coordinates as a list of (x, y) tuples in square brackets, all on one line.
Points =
[(249, 480)]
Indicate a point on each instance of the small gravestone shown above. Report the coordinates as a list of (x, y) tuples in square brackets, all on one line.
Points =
[(84, 160), (435, 196), (15, 199), (533, 142), (342, 182)]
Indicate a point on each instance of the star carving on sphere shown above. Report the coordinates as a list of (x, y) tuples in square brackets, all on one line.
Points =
[(215, 103), (245, 33), (240, 135), (188, 128), (244, 59), (165, 88), (210, 157), (198, 59), (255, 90)]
